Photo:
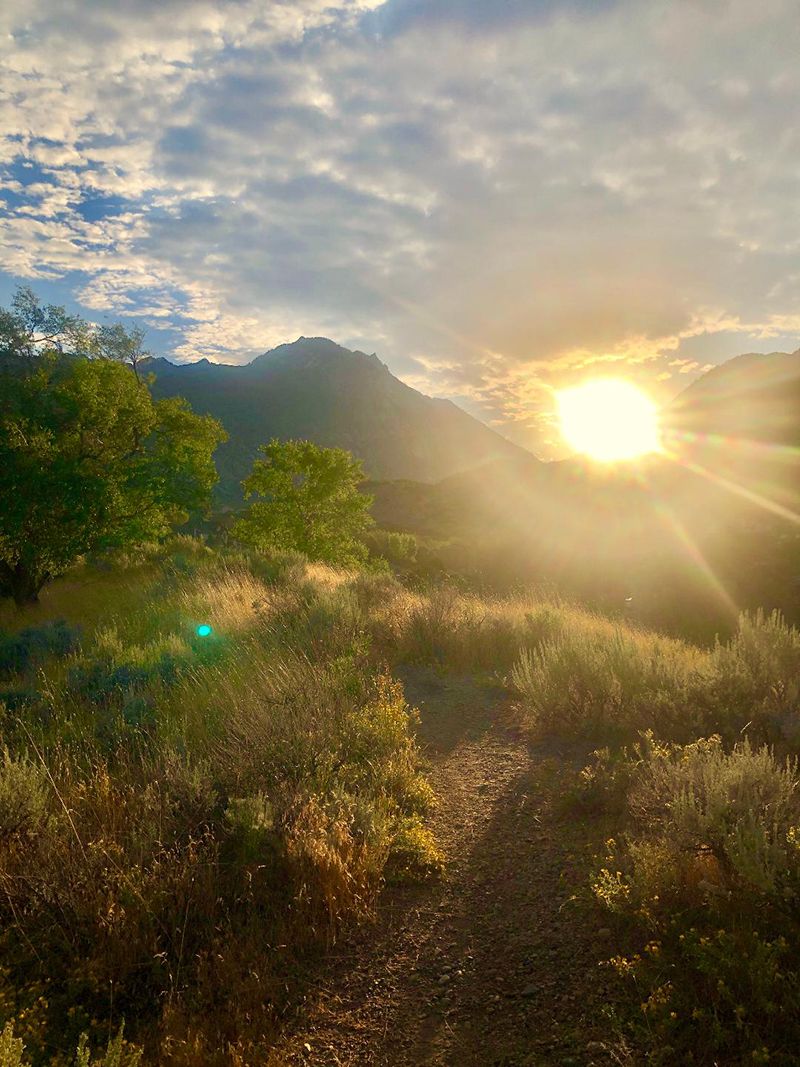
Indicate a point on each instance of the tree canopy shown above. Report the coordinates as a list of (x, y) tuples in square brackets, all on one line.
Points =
[(310, 502), (88, 459)]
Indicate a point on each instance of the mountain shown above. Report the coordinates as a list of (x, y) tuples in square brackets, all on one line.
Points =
[(740, 423), (685, 538), (318, 390), (753, 397)]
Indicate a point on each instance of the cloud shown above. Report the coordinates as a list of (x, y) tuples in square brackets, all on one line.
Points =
[(500, 197)]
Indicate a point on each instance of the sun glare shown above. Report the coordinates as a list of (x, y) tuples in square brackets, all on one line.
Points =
[(608, 419)]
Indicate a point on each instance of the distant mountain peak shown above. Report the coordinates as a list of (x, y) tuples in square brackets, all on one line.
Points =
[(307, 350), (315, 388)]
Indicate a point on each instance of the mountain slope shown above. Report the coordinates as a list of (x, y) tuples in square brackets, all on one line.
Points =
[(741, 422), (754, 397), (315, 389), (713, 523)]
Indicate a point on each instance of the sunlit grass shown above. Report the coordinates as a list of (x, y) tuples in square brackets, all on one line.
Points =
[(177, 804)]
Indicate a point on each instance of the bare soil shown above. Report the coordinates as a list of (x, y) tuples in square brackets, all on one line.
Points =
[(496, 963)]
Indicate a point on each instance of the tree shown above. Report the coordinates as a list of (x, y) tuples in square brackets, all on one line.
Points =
[(120, 344), (30, 328), (311, 502), (88, 459)]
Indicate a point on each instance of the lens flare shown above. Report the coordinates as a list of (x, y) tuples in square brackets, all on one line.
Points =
[(609, 419), (204, 630)]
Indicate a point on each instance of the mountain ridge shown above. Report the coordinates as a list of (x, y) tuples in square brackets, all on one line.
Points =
[(316, 389)]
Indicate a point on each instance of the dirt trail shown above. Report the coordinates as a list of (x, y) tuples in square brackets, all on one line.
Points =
[(491, 965)]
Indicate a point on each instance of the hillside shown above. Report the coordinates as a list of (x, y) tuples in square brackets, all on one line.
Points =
[(753, 396), (671, 532), (741, 421), (540, 811), (315, 389)]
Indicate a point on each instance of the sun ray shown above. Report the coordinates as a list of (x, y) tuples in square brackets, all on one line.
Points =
[(696, 557), (736, 488)]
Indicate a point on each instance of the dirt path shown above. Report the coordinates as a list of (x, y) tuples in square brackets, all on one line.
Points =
[(493, 964)]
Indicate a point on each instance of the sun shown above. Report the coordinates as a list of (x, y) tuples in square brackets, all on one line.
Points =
[(609, 419)]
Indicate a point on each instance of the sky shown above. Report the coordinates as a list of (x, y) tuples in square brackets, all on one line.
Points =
[(499, 197)]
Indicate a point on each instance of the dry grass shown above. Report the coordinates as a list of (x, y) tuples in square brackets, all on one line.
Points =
[(181, 816), (170, 808), (231, 600)]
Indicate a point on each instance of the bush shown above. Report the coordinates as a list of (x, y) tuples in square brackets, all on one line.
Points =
[(24, 796), (32, 645), (710, 872), (464, 632), (754, 682), (594, 677), (398, 549), (591, 678), (118, 1052)]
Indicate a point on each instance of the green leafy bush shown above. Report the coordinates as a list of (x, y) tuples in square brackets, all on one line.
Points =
[(24, 797), (710, 873)]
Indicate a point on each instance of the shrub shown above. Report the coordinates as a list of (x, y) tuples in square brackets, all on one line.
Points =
[(11, 1048), (31, 645), (741, 808), (754, 681), (597, 677), (118, 1052), (464, 632), (24, 796), (398, 549), (591, 678), (710, 872), (19, 698)]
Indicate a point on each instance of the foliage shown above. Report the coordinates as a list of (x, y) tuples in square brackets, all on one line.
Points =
[(268, 785), (595, 678), (398, 549), (172, 809), (710, 872), (18, 651), (118, 1053), (29, 327), (88, 460), (24, 796), (311, 502)]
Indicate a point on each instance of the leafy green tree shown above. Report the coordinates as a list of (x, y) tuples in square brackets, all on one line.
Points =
[(30, 328), (88, 459), (310, 503)]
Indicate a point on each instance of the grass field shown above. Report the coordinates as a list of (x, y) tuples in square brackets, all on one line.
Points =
[(185, 819)]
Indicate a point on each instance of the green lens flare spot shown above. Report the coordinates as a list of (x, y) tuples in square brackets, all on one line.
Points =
[(204, 630)]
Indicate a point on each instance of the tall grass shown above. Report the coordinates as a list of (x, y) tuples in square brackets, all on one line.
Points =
[(185, 815), (612, 680), (180, 816)]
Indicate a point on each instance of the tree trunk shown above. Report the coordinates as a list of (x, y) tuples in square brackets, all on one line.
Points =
[(21, 584)]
